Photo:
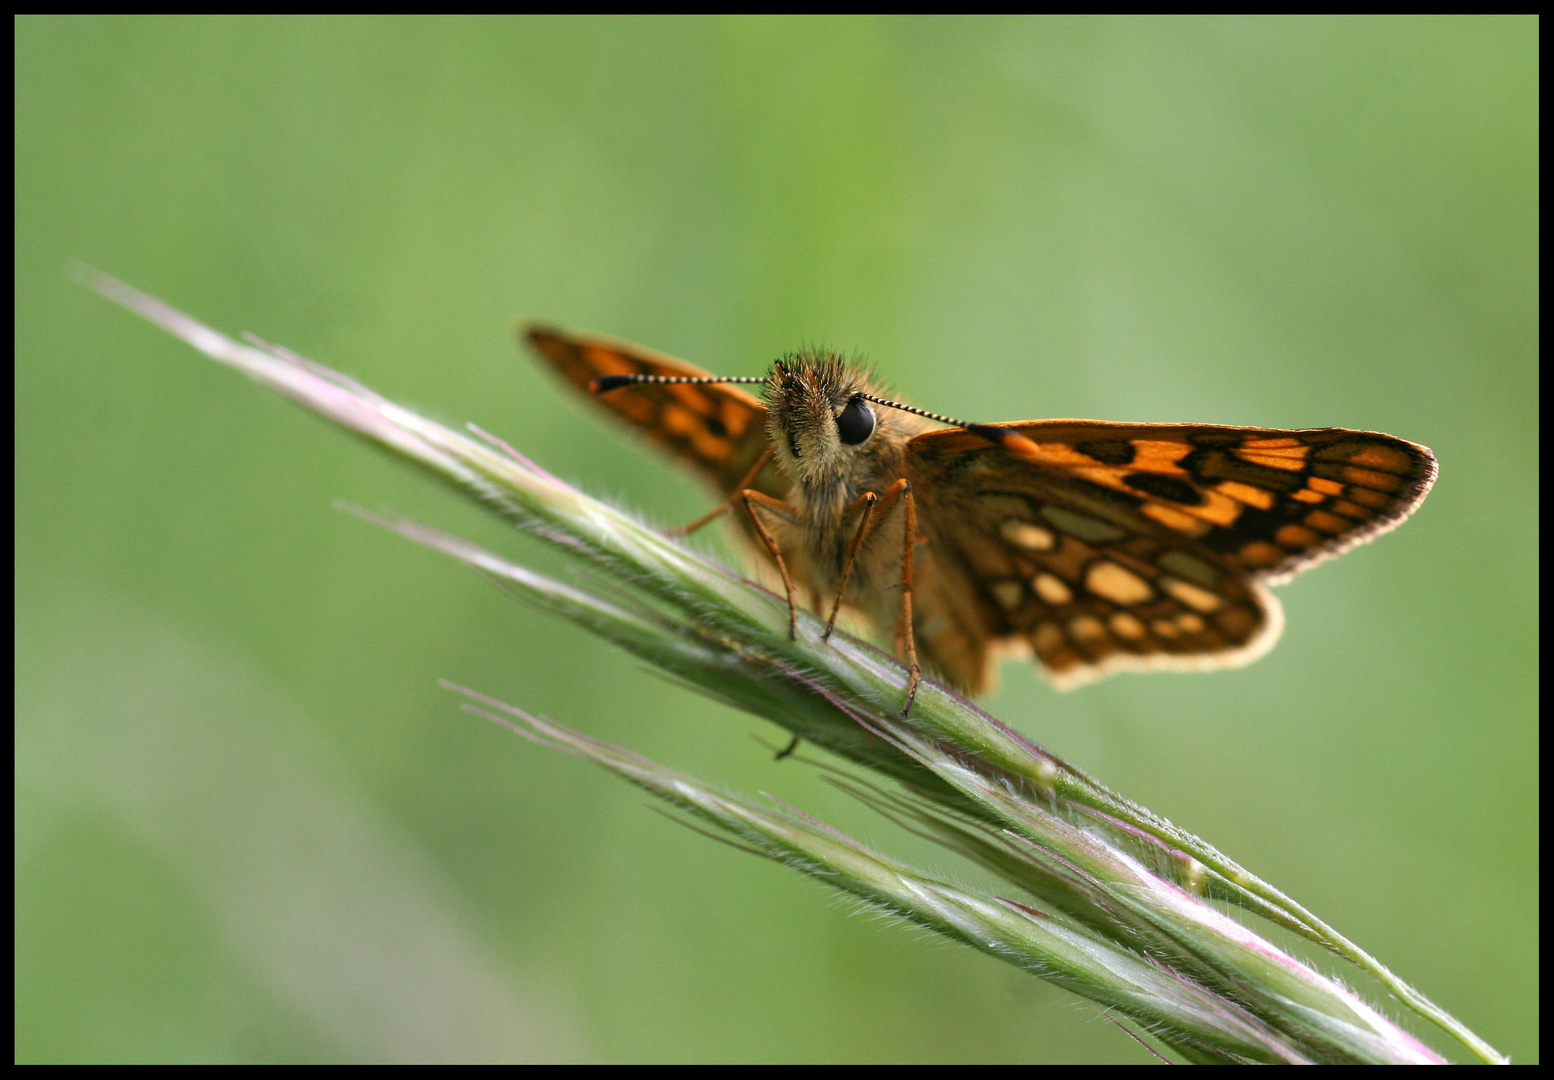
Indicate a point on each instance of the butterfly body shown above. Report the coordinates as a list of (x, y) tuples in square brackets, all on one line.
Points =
[(1097, 546)]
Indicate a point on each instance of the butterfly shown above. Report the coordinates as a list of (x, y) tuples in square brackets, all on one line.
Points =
[(1097, 546)]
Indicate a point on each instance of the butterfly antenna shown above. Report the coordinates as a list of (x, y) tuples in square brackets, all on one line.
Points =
[(1009, 440), (998, 436), (603, 384), (920, 412)]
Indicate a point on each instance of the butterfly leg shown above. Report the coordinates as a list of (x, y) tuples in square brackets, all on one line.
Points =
[(753, 499), (864, 506), (724, 506), (909, 544), (906, 638)]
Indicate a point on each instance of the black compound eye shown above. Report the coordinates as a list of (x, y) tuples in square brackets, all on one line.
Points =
[(856, 422)]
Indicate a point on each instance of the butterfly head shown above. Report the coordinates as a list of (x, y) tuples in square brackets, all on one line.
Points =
[(818, 416), (824, 420)]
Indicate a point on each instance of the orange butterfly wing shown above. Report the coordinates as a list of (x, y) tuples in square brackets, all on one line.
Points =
[(1113, 546), (716, 428)]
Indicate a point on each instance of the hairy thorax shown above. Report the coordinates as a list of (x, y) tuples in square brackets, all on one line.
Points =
[(827, 477)]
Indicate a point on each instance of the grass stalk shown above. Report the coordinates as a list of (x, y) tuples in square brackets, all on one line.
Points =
[(1133, 924)]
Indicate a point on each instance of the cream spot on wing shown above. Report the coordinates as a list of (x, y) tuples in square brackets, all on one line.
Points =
[(1164, 628), (1051, 588), (1008, 593), (1190, 623), (1189, 566), (1030, 537), (1191, 595), (1107, 579), (1084, 527), (1126, 626), (1246, 493), (1087, 628)]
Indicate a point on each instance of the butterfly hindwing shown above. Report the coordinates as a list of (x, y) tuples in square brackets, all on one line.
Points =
[(718, 429), (1111, 546)]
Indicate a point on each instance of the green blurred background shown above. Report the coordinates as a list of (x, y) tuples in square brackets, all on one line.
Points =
[(249, 824)]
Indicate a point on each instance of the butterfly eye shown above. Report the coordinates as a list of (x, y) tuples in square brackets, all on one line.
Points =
[(855, 423)]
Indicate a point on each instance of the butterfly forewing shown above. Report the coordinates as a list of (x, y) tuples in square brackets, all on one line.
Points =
[(717, 428), (1111, 546)]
